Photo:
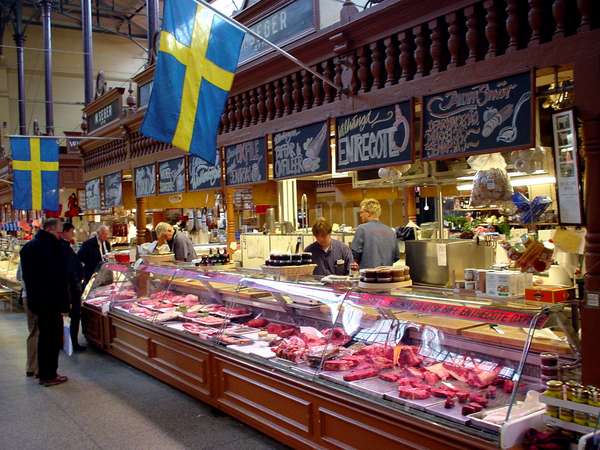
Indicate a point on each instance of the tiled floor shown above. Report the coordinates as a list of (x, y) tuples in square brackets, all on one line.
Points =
[(104, 405)]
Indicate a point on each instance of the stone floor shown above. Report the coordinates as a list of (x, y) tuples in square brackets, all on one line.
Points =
[(104, 405)]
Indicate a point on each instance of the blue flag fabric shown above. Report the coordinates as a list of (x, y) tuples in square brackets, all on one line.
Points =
[(197, 58), (35, 173)]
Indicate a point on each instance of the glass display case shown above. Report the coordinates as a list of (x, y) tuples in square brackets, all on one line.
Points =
[(468, 363), (9, 262)]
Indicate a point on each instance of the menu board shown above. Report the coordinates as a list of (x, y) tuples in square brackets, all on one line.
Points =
[(171, 176), (374, 138), (105, 115), (92, 194), (113, 190), (203, 175), (566, 160), (246, 163), (145, 180), (484, 118), (301, 151)]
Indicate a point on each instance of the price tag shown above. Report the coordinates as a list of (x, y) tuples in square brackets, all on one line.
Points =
[(105, 308), (137, 264), (441, 254), (592, 300)]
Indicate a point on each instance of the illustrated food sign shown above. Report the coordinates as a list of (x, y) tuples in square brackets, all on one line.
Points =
[(145, 180), (171, 176), (113, 190), (492, 116), (246, 163), (92, 194), (302, 151), (280, 27), (374, 138), (203, 175)]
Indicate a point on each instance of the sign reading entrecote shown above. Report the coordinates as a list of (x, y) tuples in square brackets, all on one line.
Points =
[(246, 163), (491, 116), (302, 151), (374, 138)]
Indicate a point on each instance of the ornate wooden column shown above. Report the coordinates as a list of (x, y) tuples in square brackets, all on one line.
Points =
[(140, 219), (587, 98), (229, 204)]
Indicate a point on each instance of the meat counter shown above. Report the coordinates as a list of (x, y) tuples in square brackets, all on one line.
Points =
[(320, 366)]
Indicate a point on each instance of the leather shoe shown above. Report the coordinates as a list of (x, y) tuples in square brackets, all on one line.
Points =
[(59, 379), (29, 374)]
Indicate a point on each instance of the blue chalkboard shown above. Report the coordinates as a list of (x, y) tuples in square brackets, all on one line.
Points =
[(145, 180), (301, 151), (246, 163), (375, 138), (171, 176), (113, 190), (203, 175), (483, 118)]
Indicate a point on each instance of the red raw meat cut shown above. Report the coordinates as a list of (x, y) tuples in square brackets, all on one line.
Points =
[(431, 378), (360, 374), (293, 349), (462, 396), (389, 376), (417, 384), (456, 372), (491, 392), (508, 386), (405, 381), (471, 408), (449, 403), (377, 350), (409, 356), (380, 362), (337, 365), (478, 398), (411, 393), (439, 370), (481, 378), (336, 336), (442, 392), (414, 372), (257, 323)]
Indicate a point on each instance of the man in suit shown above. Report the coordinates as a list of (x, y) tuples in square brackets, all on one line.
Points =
[(92, 252), (75, 276), (44, 270)]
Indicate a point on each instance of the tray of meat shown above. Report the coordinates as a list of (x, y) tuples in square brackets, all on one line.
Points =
[(293, 349), (192, 315), (372, 386), (239, 330), (361, 374), (210, 321), (234, 340), (417, 398), (232, 313)]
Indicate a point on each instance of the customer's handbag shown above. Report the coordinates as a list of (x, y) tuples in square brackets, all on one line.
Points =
[(67, 344)]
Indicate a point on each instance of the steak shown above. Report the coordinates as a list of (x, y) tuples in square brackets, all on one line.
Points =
[(361, 374)]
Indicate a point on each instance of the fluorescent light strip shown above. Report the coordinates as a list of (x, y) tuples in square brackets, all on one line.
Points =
[(525, 181)]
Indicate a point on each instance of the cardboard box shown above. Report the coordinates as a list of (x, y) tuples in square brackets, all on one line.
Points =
[(550, 294)]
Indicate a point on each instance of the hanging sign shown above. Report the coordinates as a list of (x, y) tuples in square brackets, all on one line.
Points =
[(281, 27), (484, 118), (104, 115), (566, 160), (171, 176), (145, 180), (113, 190), (203, 175), (301, 151), (374, 138), (246, 163), (92, 194), (144, 92)]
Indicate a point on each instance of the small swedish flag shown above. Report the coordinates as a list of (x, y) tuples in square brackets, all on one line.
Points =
[(35, 173), (197, 58)]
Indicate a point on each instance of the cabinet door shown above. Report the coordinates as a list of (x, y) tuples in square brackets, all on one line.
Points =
[(255, 249)]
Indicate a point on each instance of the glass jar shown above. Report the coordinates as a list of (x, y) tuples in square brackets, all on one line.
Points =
[(554, 389), (593, 396), (592, 421), (552, 411), (572, 387), (549, 359), (580, 418), (565, 414)]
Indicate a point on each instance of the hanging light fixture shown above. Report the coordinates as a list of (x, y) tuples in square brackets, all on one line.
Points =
[(558, 95)]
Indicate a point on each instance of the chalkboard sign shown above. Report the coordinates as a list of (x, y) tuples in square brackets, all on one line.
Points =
[(280, 27), (171, 176), (144, 92), (203, 175), (92, 194), (105, 115), (484, 118), (302, 151), (375, 138), (113, 190), (145, 180), (246, 163)]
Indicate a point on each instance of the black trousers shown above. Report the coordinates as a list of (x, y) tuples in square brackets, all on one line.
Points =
[(75, 316), (50, 339)]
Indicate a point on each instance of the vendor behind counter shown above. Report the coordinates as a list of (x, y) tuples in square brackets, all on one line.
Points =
[(331, 256)]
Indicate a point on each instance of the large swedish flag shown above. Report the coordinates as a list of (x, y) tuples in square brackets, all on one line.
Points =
[(35, 173), (197, 58)]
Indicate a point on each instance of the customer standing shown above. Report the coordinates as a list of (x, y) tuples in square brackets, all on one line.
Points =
[(374, 243), (75, 277), (32, 327), (331, 256), (45, 275), (178, 242), (92, 252)]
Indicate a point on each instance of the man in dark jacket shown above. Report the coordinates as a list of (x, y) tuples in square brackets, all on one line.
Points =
[(93, 251), (45, 276), (75, 277)]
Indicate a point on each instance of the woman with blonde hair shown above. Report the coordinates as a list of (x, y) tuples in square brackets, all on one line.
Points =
[(374, 243)]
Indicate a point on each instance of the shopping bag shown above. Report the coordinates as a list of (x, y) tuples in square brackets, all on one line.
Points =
[(67, 344)]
